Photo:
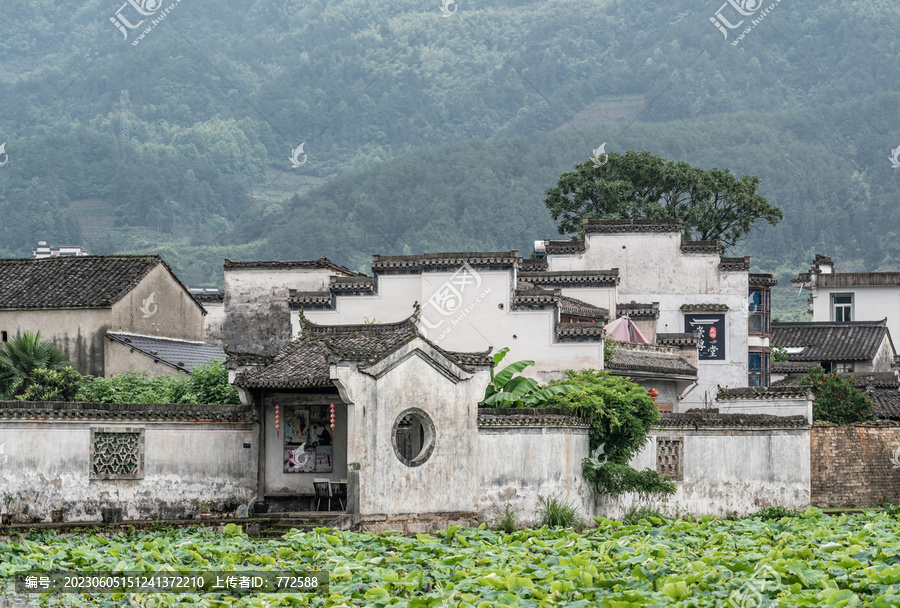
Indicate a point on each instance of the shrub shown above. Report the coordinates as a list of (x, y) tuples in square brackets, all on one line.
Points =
[(507, 523), (557, 514), (52, 385), (892, 510), (635, 513), (207, 384), (837, 399), (775, 513), (506, 390), (621, 414)]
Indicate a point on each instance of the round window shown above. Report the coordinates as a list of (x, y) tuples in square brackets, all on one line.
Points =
[(413, 437)]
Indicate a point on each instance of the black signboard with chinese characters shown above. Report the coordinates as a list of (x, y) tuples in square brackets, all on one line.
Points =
[(712, 334)]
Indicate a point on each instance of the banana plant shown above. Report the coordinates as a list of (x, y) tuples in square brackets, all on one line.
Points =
[(508, 390)]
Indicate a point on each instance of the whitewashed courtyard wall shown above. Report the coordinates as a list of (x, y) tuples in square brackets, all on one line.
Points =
[(190, 453), (732, 463), (524, 456)]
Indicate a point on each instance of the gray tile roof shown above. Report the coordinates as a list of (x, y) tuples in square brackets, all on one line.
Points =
[(321, 263), (572, 278), (828, 341), (637, 310), (734, 264), (180, 354), (648, 361), (888, 402), (305, 363), (772, 392), (72, 282), (661, 225), (759, 279), (445, 260), (696, 420), (564, 247), (701, 246), (578, 308), (677, 339)]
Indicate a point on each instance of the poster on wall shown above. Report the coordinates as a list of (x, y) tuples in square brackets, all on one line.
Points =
[(307, 439), (712, 335)]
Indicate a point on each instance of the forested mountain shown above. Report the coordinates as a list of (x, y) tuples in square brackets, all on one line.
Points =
[(431, 132)]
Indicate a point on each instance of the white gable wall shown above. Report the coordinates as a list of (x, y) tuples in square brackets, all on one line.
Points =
[(869, 304), (652, 268)]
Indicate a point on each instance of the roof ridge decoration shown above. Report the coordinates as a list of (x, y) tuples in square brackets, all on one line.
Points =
[(493, 418), (763, 279), (696, 421), (564, 247), (319, 263), (572, 278), (637, 310), (424, 261), (706, 307), (678, 339), (777, 392), (149, 412), (710, 246), (735, 264), (632, 225)]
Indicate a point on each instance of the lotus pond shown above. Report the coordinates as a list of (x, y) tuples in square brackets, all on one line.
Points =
[(810, 560)]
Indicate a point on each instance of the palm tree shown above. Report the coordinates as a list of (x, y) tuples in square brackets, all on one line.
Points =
[(20, 356)]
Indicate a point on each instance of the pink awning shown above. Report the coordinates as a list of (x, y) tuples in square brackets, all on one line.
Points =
[(623, 329)]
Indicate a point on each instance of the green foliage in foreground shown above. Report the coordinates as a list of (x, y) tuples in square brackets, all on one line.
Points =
[(621, 415), (813, 560), (207, 384), (23, 355), (558, 513)]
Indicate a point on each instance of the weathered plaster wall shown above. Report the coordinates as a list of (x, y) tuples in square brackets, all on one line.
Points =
[(737, 470), (78, 332), (518, 466), (176, 313), (770, 406), (653, 268), (884, 358), (484, 320), (413, 377), (47, 466), (214, 324), (855, 465), (258, 316)]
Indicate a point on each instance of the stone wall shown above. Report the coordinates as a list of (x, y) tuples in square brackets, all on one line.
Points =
[(79, 457), (855, 465)]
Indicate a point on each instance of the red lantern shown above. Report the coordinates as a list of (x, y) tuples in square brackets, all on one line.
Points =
[(277, 420), (653, 393), (332, 419)]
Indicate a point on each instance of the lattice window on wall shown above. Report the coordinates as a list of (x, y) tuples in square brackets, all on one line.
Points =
[(117, 453), (669, 452)]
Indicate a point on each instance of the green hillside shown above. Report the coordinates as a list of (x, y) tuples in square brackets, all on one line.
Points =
[(426, 132)]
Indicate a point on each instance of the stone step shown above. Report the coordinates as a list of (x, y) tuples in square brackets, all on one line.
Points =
[(299, 515)]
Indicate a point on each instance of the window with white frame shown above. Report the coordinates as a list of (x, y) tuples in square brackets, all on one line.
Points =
[(841, 307), (843, 368)]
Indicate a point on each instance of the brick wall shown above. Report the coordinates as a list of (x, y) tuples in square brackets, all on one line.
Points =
[(853, 466)]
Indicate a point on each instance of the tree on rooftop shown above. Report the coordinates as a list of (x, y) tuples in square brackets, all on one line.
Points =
[(714, 204)]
